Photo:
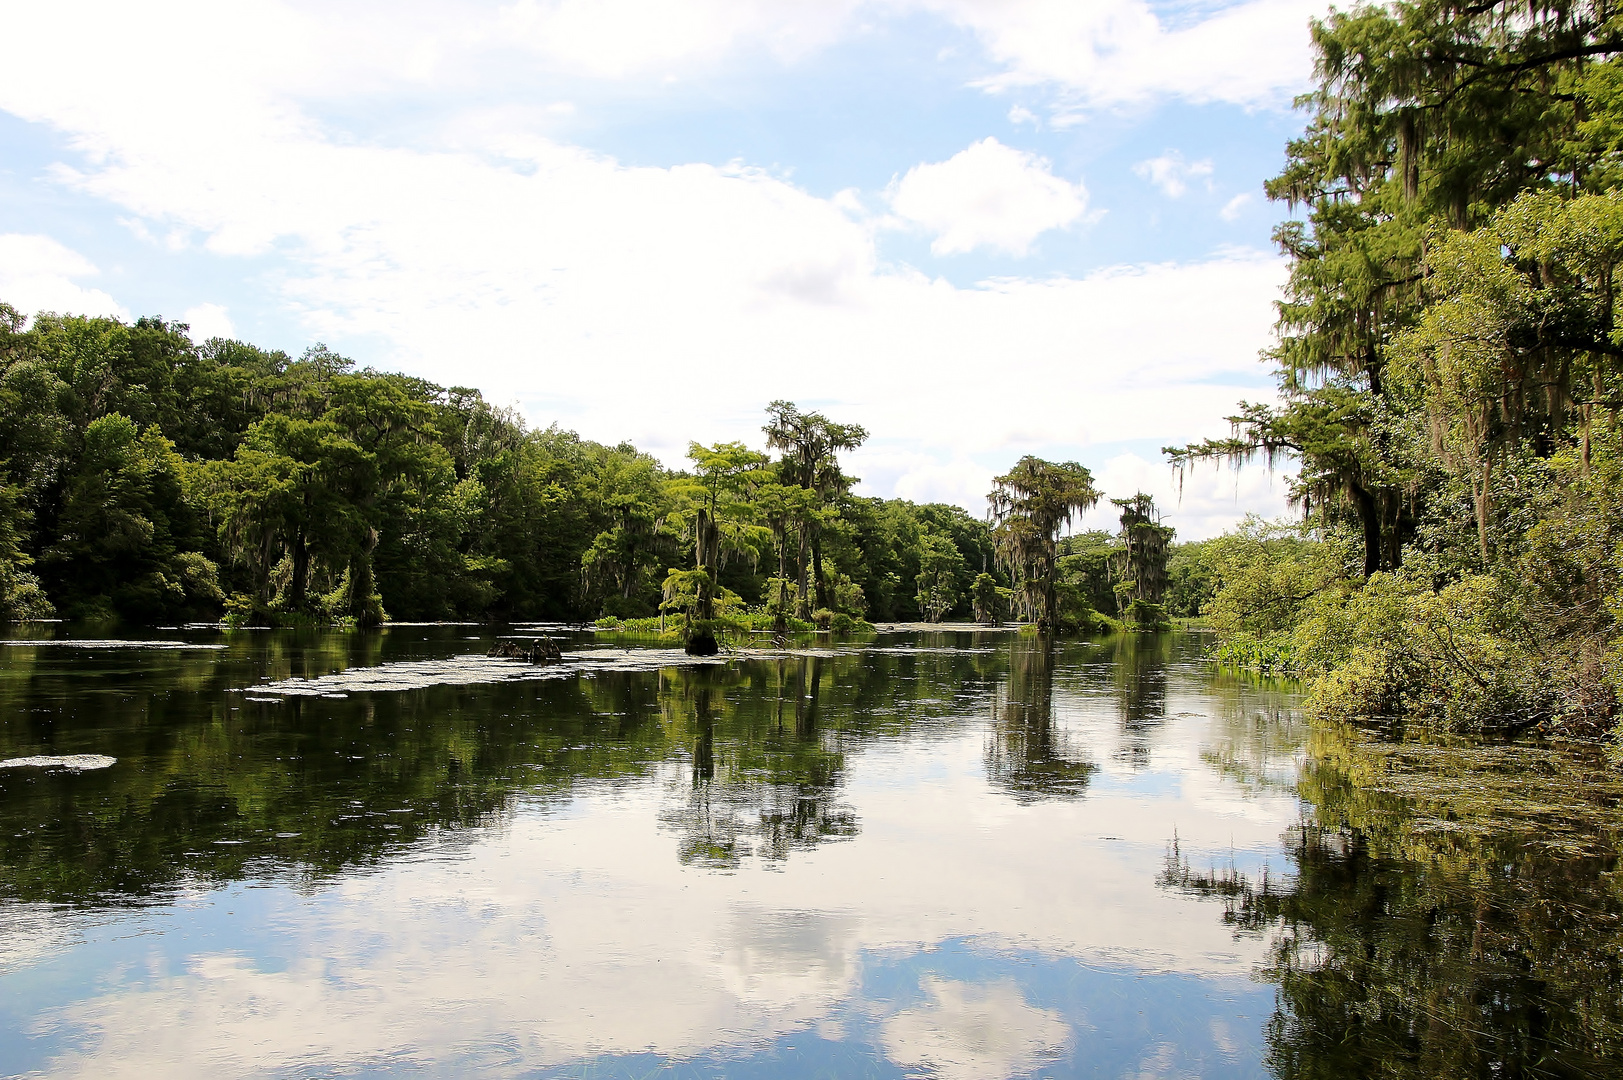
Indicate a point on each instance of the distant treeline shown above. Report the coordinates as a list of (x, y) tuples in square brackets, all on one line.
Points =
[(147, 478)]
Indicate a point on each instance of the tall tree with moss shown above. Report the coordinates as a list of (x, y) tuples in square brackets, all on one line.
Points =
[(1428, 117), (1141, 563), (716, 506), (810, 444), (1029, 507)]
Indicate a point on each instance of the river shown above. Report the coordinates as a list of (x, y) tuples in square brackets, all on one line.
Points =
[(958, 854)]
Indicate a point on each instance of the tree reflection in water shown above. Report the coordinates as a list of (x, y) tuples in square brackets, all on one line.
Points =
[(213, 785), (1413, 947), (759, 787), (1140, 682), (1026, 753)]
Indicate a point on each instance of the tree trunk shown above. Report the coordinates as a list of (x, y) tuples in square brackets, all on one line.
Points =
[(702, 528), (362, 585), (301, 572), (779, 619), (1371, 521), (802, 593), (817, 570)]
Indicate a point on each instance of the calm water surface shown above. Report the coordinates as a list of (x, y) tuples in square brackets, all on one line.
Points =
[(949, 855)]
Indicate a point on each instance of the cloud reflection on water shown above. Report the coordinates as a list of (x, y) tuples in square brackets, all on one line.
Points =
[(569, 937)]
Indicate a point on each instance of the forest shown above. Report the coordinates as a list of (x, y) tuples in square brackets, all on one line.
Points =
[(1450, 371), (149, 479)]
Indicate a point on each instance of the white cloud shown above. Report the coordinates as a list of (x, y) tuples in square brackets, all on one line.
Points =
[(1235, 206), (38, 274), (1118, 52), (208, 321), (1172, 174), (623, 38), (1210, 500), (1019, 114), (1103, 52), (988, 195)]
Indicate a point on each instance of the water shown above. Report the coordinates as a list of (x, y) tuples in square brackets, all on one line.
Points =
[(953, 855)]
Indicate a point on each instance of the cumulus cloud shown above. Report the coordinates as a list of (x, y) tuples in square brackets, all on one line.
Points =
[(621, 38), (1019, 114), (208, 321), (1104, 52), (1171, 174), (1208, 501), (1235, 206), (989, 195), (38, 274), (1120, 52)]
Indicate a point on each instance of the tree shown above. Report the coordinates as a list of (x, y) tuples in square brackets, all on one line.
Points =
[(940, 566), (786, 509), (127, 536), (623, 558), (288, 503), (1428, 116), (810, 443), (1029, 506), (719, 516), (22, 597), (1141, 563)]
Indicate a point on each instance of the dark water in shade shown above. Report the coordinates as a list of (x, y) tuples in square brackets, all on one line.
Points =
[(953, 855)]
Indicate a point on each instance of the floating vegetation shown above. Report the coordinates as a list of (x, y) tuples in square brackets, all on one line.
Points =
[(923, 650), (938, 628), (70, 762), (107, 643), (1564, 798), (470, 670)]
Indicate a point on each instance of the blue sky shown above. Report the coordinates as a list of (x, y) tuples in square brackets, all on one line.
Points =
[(982, 228)]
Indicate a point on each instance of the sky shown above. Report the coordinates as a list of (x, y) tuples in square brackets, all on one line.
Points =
[(979, 228)]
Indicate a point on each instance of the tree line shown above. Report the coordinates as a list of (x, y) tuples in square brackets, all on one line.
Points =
[(149, 479), (1450, 374)]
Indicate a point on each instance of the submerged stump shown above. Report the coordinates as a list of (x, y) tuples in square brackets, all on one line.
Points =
[(544, 651), (701, 643)]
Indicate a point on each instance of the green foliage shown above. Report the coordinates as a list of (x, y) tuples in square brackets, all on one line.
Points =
[(1142, 564), (1190, 584), (1450, 370), (125, 535), (991, 603), (21, 595), (1266, 576), (145, 478), (1031, 504), (941, 565)]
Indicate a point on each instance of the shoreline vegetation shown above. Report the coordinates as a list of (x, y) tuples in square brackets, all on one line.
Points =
[(1449, 371), (146, 479)]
